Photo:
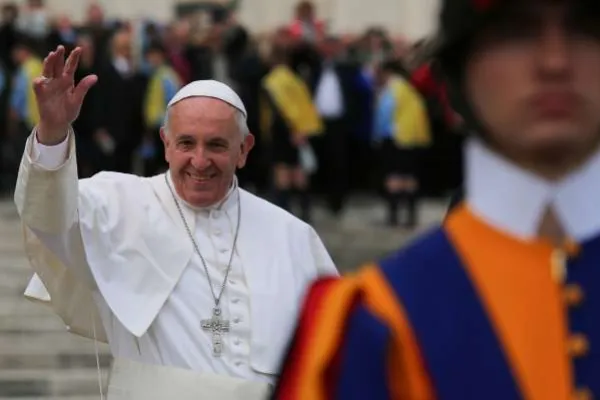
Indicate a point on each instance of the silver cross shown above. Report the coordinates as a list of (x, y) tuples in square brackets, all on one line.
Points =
[(217, 326)]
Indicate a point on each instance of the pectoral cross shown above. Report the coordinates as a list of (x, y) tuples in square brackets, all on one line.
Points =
[(217, 326)]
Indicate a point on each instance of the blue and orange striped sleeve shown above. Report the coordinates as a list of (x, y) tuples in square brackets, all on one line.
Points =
[(363, 358)]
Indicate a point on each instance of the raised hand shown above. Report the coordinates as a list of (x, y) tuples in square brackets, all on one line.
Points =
[(58, 99)]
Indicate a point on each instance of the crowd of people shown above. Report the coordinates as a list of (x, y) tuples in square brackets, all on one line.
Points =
[(353, 87)]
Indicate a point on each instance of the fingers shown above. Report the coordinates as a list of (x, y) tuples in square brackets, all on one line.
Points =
[(72, 62), (59, 63), (38, 83), (83, 87), (48, 69)]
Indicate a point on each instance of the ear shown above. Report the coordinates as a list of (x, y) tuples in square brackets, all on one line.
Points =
[(166, 142), (247, 145)]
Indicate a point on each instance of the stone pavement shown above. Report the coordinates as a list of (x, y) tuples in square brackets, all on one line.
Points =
[(40, 360)]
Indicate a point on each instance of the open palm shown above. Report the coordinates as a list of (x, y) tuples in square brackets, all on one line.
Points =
[(59, 100)]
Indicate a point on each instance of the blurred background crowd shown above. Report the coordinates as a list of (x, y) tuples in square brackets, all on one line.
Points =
[(350, 82)]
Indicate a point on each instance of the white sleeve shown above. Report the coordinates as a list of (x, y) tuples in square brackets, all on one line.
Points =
[(322, 260), (47, 197), (49, 157)]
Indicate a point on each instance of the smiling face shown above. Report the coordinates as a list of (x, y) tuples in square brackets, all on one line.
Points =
[(204, 147), (533, 78)]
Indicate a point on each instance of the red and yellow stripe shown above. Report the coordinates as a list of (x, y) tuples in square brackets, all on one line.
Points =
[(317, 339)]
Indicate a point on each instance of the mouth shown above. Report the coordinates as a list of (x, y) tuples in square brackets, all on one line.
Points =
[(555, 105), (201, 178)]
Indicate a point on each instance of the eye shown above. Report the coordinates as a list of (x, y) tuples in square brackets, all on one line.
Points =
[(185, 144), (219, 145)]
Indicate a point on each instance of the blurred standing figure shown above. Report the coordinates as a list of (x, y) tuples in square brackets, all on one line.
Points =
[(120, 92), (162, 85), (305, 32), (34, 21), (305, 26), (336, 100), (90, 157), (23, 114), (177, 44), (401, 132), (63, 33), (4, 145), (291, 120), (96, 26), (24, 110), (8, 34)]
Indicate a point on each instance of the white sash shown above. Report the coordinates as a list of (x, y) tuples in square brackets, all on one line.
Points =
[(130, 380)]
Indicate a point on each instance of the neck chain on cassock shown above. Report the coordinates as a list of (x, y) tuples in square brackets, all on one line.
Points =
[(216, 325)]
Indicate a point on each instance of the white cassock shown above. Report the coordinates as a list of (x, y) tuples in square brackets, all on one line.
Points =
[(114, 260)]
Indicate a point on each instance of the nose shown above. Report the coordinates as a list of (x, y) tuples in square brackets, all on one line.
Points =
[(200, 160), (553, 53)]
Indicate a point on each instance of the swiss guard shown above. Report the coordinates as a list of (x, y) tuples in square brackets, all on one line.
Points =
[(502, 301)]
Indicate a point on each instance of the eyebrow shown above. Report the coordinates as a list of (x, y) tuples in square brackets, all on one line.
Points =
[(185, 137), (218, 139)]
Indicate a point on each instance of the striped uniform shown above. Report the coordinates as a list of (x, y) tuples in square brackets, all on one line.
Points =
[(466, 312)]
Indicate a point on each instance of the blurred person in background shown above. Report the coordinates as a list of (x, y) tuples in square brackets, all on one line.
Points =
[(5, 149), (8, 38), (401, 132), (291, 119), (162, 85), (374, 48), (501, 301), (98, 28), (248, 72), (443, 165), (176, 42), (34, 21), (120, 92), (24, 113), (8, 35), (90, 157), (336, 100), (23, 110), (305, 32), (306, 27), (230, 42), (205, 46), (62, 32)]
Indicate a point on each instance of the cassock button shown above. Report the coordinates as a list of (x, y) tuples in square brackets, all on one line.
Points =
[(578, 345), (573, 295), (558, 265), (583, 394)]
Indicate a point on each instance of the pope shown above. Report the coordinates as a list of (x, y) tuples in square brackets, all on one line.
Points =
[(192, 281)]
